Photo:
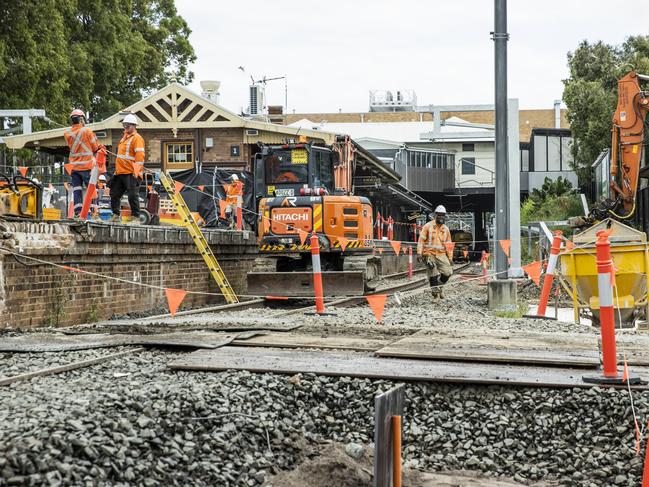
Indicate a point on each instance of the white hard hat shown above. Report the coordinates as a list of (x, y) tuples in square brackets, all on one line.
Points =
[(130, 118), (234, 177), (102, 178), (440, 209)]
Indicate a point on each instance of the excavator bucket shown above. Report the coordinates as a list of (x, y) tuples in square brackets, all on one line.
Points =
[(300, 284)]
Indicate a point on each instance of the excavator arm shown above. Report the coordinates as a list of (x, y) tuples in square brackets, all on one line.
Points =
[(627, 141)]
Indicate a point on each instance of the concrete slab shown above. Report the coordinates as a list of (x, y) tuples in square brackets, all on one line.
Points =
[(355, 364), (54, 342)]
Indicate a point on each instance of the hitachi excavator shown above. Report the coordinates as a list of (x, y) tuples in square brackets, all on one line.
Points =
[(626, 150), (304, 189)]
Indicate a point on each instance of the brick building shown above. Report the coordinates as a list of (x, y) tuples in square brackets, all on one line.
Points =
[(182, 130)]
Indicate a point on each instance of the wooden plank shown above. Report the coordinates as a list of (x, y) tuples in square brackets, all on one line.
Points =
[(67, 367), (497, 346), (390, 403), (355, 364), (290, 340)]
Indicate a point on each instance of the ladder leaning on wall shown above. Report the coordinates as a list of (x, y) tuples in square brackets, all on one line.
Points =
[(198, 237)]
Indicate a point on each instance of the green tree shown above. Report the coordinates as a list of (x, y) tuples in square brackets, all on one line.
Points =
[(100, 55), (590, 94)]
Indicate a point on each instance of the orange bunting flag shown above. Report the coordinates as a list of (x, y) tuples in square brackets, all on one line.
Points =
[(396, 246), (222, 205), (303, 235), (68, 169), (465, 252), (178, 187), (505, 245), (23, 170), (174, 298), (201, 187), (379, 250), (625, 370), (343, 241), (450, 246), (377, 303), (534, 271)]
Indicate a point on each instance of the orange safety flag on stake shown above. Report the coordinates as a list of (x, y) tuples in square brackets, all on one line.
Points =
[(377, 303), (222, 205), (174, 298), (450, 246), (534, 271), (465, 252), (343, 241), (396, 246), (505, 245), (201, 187), (303, 235), (178, 187), (23, 170), (68, 169)]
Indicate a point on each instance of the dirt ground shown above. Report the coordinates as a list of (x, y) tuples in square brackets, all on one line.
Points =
[(329, 465)]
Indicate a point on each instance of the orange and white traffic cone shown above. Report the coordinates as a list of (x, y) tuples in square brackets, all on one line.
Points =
[(317, 275), (549, 274), (607, 317)]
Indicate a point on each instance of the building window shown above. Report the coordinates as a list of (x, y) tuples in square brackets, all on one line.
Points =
[(234, 151), (178, 155), (468, 147), (468, 165)]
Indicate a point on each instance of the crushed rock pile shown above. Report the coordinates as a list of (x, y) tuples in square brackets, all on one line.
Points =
[(135, 421)]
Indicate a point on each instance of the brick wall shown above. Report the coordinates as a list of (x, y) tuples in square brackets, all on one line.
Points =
[(224, 139), (33, 294)]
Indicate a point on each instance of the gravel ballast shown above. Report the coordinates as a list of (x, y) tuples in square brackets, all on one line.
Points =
[(134, 421)]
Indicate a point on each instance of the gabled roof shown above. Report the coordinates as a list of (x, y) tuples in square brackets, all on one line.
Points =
[(175, 107)]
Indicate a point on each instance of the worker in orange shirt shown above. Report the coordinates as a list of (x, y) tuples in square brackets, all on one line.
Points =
[(83, 146), (234, 198), (434, 251), (129, 169)]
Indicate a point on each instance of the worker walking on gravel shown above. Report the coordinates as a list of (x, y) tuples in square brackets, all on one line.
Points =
[(129, 169), (83, 146), (234, 195), (432, 250)]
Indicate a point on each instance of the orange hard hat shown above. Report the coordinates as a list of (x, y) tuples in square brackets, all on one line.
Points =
[(77, 113)]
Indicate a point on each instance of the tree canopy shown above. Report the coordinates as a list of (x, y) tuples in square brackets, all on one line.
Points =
[(98, 55), (590, 93)]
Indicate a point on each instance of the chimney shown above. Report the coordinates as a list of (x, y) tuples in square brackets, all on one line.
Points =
[(557, 114), (210, 90)]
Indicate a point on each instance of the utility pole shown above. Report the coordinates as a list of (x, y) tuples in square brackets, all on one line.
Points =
[(500, 37), (501, 291)]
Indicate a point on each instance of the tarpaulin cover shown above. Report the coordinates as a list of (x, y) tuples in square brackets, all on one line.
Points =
[(207, 205)]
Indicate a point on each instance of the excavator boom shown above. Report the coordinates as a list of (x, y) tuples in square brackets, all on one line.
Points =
[(627, 140)]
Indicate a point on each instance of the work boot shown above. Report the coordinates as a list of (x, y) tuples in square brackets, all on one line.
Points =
[(434, 288), (435, 294)]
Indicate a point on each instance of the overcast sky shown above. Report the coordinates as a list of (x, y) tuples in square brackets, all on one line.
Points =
[(333, 52)]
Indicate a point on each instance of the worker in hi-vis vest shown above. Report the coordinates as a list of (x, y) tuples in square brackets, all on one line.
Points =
[(83, 145), (432, 250), (129, 169), (234, 197)]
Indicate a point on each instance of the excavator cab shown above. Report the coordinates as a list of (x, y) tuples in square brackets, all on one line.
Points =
[(296, 197)]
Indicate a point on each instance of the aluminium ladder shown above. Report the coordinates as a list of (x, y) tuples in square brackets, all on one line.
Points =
[(199, 239)]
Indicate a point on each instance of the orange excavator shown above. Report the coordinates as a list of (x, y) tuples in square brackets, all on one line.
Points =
[(626, 149), (303, 189)]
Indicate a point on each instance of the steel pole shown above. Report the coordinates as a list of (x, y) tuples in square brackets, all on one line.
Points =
[(500, 37)]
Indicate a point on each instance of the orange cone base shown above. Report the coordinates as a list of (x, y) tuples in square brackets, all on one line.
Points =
[(612, 381)]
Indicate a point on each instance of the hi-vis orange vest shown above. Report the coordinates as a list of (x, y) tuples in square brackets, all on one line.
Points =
[(130, 155), (83, 144), (432, 239), (233, 191)]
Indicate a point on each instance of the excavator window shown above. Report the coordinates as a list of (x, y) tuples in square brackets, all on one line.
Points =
[(281, 167)]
